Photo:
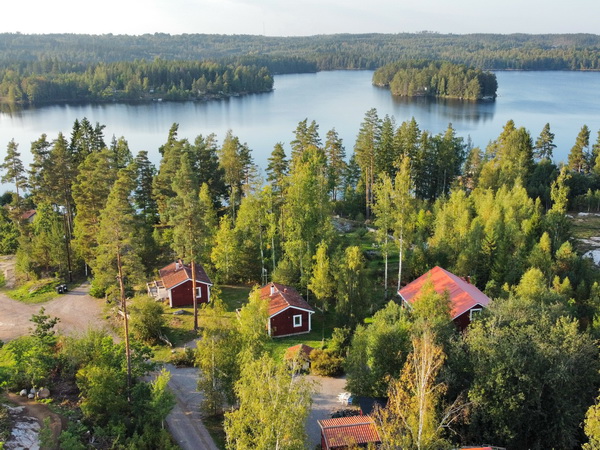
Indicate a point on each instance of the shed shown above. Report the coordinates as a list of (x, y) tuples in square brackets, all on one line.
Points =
[(348, 432)]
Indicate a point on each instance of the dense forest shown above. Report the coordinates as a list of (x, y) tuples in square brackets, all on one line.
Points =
[(37, 69), (525, 375), (51, 82), (323, 52), (436, 79)]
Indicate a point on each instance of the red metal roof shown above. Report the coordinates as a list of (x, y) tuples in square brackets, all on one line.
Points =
[(463, 295), (348, 431), (281, 297), (177, 272)]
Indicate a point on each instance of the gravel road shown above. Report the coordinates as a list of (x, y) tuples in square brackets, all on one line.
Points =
[(77, 311)]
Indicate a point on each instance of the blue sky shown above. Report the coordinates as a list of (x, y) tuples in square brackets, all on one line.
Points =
[(301, 17)]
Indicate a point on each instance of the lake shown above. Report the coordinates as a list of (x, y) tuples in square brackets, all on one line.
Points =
[(338, 99)]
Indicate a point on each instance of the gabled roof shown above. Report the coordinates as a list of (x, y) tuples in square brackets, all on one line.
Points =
[(28, 214), (282, 297), (348, 431), (463, 295), (177, 272), (301, 350)]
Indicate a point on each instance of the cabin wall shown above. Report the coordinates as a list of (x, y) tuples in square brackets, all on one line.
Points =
[(282, 324), (182, 295)]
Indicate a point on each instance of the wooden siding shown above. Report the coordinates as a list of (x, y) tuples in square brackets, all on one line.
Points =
[(181, 295), (282, 324)]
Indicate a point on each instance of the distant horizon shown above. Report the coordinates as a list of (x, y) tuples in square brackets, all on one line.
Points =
[(302, 17), (424, 32)]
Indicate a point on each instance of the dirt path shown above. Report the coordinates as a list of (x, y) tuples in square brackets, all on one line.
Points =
[(40, 412), (77, 311), (185, 421)]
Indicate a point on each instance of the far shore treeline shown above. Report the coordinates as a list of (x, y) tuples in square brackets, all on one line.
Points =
[(56, 68)]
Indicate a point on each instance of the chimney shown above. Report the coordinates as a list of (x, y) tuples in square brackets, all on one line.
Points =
[(468, 279), (272, 289)]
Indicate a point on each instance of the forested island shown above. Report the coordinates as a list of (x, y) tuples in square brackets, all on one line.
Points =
[(436, 79), (524, 375), (58, 68)]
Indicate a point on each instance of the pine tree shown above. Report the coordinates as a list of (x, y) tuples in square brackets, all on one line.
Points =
[(90, 192), (579, 157), (117, 256), (277, 169), (186, 222), (365, 147), (14, 171), (336, 163), (544, 145)]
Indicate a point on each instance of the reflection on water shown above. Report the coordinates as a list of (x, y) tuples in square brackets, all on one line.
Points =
[(337, 99), (453, 110)]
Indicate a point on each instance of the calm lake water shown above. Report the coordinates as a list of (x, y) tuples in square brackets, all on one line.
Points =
[(339, 99)]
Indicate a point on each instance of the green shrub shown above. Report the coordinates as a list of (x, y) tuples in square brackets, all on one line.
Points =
[(147, 320), (325, 363), (96, 290), (185, 358), (2, 280)]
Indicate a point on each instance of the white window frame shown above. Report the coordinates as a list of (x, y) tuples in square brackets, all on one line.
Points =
[(476, 311), (297, 323), (198, 291)]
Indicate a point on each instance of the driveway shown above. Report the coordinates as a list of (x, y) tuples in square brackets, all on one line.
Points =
[(77, 311), (325, 401), (184, 421)]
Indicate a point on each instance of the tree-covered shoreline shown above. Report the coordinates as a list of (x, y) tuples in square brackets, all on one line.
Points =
[(34, 84), (436, 79)]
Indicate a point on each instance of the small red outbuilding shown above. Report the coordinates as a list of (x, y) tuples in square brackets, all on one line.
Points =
[(289, 313), (176, 284), (348, 432)]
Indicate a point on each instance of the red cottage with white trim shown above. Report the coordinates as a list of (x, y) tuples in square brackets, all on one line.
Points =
[(175, 284), (465, 299), (289, 313)]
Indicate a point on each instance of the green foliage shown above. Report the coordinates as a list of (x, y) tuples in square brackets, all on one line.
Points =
[(535, 373), (436, 79), (185, 358), (326, 363), (5, 424), (147, 320), (378, 352), (217, 359), (592, 428), (35, 291), (264, 420)]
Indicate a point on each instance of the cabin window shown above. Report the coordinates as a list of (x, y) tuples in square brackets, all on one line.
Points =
[(298, 320), (474, 312), (199, 292)]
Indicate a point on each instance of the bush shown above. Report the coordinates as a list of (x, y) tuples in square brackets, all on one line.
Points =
[(147, 320), (96, 290), (325, 363), (185, 358)]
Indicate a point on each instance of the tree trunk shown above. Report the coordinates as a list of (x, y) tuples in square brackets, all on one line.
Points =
[(401, 245), (124, 307)]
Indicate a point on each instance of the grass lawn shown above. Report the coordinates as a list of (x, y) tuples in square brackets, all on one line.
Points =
[(180, 328), (38, 291)]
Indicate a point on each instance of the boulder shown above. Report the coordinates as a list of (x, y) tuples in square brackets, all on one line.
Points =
[(30, 396), (43, 393), (23, 393)]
